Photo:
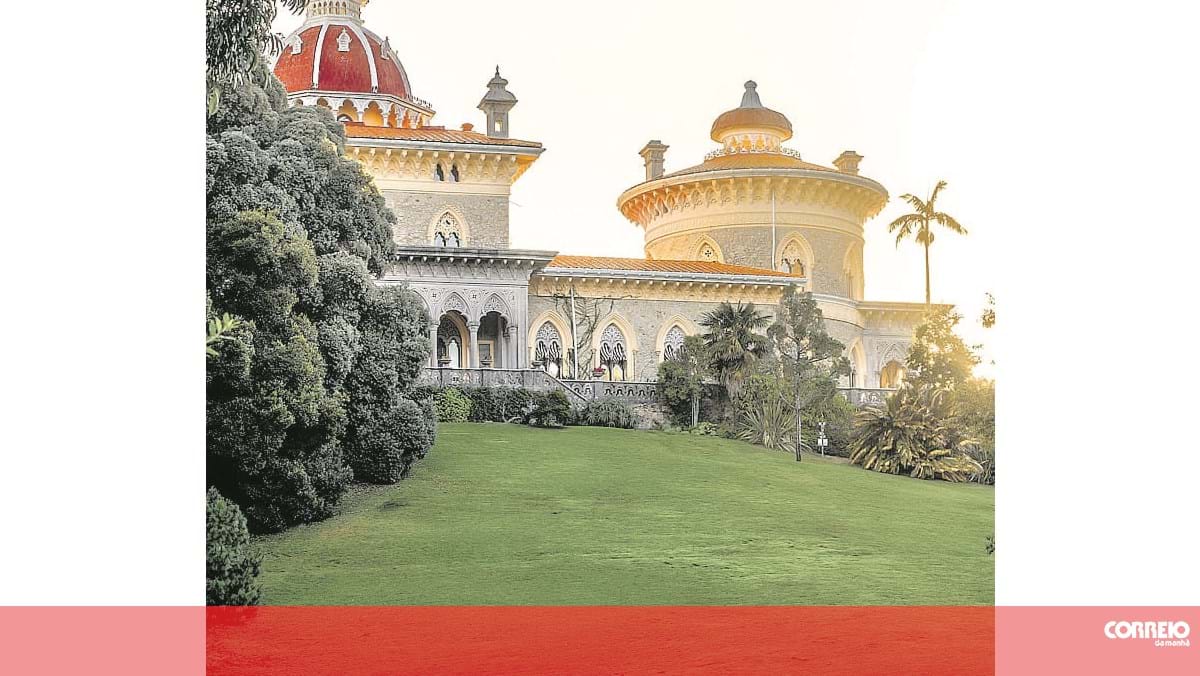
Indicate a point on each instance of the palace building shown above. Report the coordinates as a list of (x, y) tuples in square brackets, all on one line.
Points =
[(749, 220)]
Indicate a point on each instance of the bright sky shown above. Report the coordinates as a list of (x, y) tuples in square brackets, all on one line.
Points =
[(885, 79)]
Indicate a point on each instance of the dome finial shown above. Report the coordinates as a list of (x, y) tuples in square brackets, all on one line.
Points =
[(750, 98)]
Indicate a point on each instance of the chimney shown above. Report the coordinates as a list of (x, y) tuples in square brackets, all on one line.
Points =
[(847, 162), (653, 153)]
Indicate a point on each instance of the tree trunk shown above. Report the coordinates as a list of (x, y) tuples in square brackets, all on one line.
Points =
[(927, 301), (799, 420), (695, 409)]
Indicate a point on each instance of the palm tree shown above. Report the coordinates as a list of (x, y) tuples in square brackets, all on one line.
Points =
[(733, 342), (919, 221)]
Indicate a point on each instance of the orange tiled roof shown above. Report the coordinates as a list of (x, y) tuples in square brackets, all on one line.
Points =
[(750, 161), (646, 265), (437, 135)]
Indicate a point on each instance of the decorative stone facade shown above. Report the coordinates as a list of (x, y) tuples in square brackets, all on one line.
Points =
[(482, 219), (752, 219)]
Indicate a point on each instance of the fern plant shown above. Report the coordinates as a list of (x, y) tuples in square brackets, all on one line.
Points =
[(914, 433)]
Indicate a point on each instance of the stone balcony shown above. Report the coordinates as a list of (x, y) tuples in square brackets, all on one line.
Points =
[(582, 391)]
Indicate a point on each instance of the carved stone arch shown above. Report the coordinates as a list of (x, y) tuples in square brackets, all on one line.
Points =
[(495, 303), (857, 355), (558, 321), (707, 249), (546, 326), (793, 249), (455, 301), (689, 328), (891, 352), (347, 108), (622, 323), (460, 222), (852, 270), (614, 334), (419, 293)]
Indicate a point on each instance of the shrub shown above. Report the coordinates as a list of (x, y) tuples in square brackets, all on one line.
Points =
[(387, 445), (706, 429), (608, 413), (838, 416), (232, 575), (914, 433), (548, 409), (772, 425), (452, 405), (498, 404)]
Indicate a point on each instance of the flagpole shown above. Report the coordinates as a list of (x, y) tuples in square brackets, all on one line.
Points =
[(773, 265)]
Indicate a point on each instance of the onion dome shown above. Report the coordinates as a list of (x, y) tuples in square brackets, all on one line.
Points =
[(751, 126), (333, 53)]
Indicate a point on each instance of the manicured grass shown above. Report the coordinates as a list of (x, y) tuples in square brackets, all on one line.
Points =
[(510, 515)]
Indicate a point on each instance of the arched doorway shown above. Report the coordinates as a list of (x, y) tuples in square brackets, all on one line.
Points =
[(453, 340), (493, 342), (891, 375)]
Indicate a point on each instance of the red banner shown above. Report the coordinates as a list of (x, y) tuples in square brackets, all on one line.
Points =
[(600, 640)]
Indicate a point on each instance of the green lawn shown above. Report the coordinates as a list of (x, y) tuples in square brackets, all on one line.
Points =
[(509, 515)]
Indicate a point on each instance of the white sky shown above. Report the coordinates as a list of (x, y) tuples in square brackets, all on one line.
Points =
[(875, 77)]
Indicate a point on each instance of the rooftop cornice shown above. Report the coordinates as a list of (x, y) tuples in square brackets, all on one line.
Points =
[(752, 173), (880, 307), (681, 277), (442, 146), (536, 258)]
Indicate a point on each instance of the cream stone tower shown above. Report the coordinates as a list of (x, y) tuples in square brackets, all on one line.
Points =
[(755, 202)]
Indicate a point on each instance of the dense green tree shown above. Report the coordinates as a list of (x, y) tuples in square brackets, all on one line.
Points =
[(295, 233), (975, 402), (388, 431), (810, 359), (919, 223), (938, 356), (238, 34), (733, 342), (231, 578), (680, 384)]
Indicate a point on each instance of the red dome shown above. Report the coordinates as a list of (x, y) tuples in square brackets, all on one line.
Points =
[(352, 59)]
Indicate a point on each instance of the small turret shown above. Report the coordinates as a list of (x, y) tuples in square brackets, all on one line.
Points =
[(847, 162), (654, 152), (496, 104)]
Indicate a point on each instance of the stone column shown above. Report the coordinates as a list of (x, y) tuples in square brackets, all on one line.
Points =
[(433, 360), (474, 351), (510, 347)]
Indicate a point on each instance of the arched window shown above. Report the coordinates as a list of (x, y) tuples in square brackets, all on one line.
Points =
[(343, 118), (708, 253), (448, 231), (792, 259), (673, 344), (454, 173), (547, 349), (613, 353), (891, 375), (438, 173)]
